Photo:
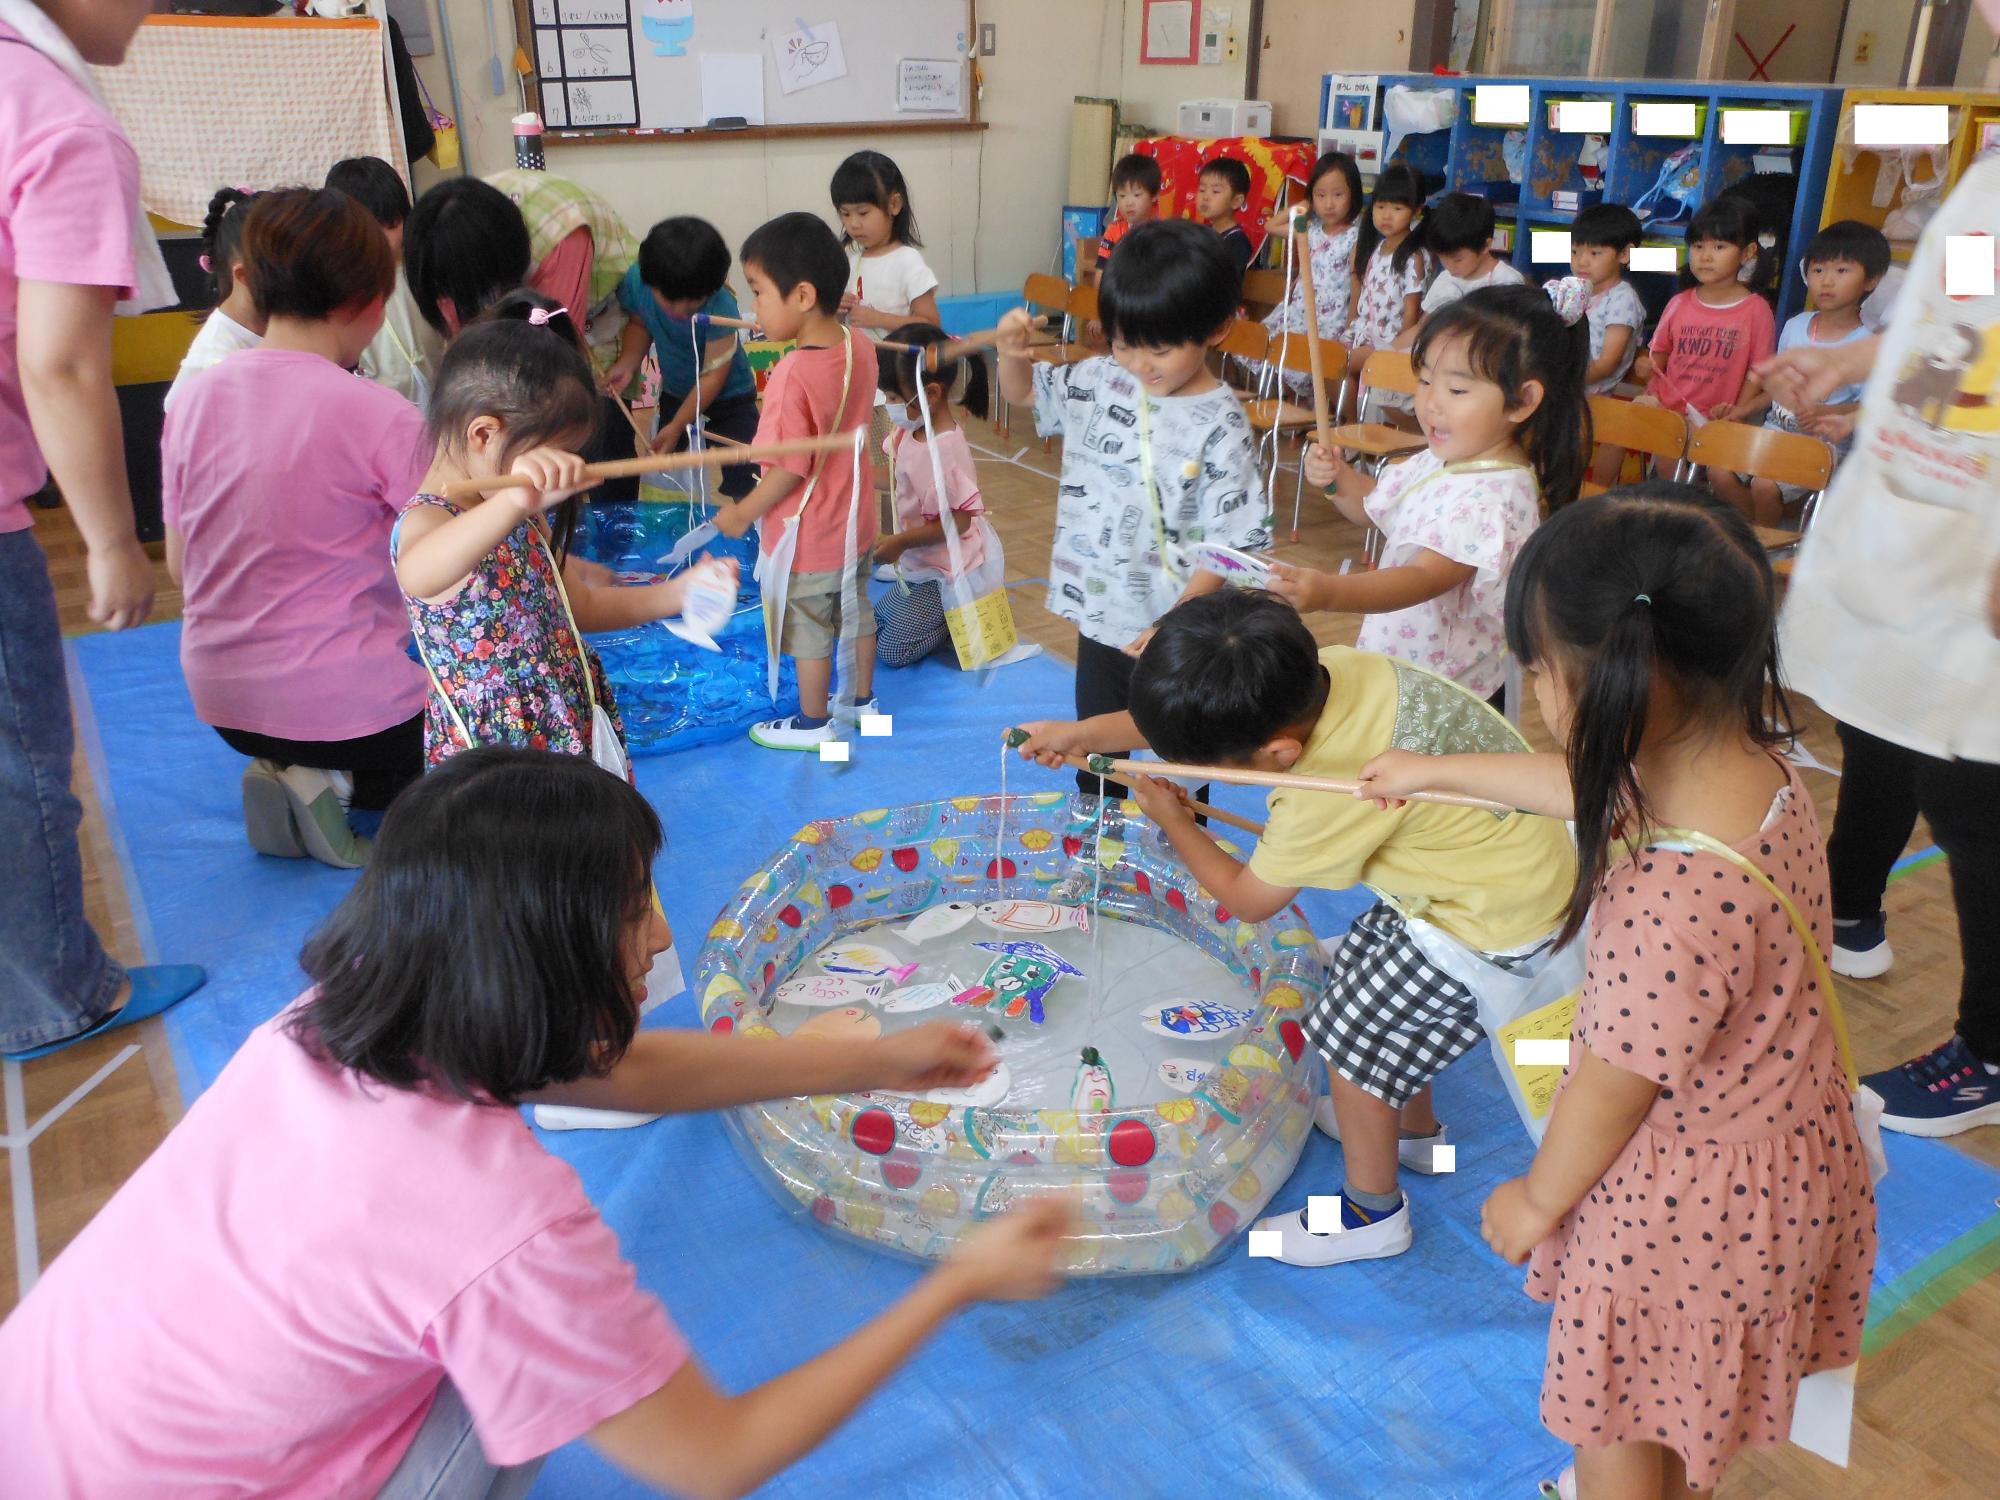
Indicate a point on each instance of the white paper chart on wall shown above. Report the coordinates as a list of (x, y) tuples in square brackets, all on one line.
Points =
[(676, 65)]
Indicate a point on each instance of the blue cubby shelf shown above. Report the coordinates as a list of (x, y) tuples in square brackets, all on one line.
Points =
[(1468, 154)]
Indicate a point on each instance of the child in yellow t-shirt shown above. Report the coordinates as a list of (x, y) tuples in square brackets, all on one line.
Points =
[(1235, 678)]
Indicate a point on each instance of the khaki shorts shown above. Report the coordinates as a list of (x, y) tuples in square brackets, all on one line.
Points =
[(811, 626)]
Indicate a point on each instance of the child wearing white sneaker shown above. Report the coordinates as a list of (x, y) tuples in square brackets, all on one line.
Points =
[(1236, 679)]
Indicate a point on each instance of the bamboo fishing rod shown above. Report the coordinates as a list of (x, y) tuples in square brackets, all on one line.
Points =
[(1105, 765), (662, 463)]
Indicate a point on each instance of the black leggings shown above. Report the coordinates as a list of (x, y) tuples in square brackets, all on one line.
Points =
[(382, 764), (1883, 787), (1104, 686)]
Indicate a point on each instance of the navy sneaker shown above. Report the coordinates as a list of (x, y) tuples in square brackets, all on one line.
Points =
[(1945, 1091), (1861, 947)]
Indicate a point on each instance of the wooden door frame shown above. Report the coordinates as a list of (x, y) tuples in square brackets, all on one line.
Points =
[(1718, 27)]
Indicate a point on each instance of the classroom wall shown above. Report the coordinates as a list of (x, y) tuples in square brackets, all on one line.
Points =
[(1305, 39), (1152, 92), (1805, 56)]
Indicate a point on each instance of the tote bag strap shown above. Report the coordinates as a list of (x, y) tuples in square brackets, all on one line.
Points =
[(1696, 840)]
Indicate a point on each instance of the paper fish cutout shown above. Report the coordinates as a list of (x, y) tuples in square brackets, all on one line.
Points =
[(1033, 916), (1197, 1018), (938, 921), (828, 989), (984, 1094), (850, 1023), (1092, 1092), (919, 997), (865, 960), (1185, 1074), (1019, 979)]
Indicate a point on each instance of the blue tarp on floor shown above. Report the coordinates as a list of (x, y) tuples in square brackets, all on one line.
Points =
[(1413, 1377)]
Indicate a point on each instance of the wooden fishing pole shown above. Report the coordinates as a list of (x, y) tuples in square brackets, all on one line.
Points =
[(1302, 248), (1019, 737), (661, 463), (1105, 765), (936, 354)]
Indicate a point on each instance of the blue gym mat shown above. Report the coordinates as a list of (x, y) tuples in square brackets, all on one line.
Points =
[(1411, 1377)]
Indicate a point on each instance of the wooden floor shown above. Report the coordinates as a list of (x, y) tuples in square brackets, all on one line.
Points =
[(1928, 1412)]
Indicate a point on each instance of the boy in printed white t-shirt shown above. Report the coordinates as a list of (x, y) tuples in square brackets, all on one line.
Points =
[(1601, 242), (1157, 454), (1458, 232)]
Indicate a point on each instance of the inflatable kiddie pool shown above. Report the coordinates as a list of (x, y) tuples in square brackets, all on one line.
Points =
[(1201, 1131)]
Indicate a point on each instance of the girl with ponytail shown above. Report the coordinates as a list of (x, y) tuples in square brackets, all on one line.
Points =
[(234, 322), (1700, 1213)]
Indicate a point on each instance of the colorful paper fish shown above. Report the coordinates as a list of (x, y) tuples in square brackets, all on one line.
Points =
[(1197, 1018), (1185, 1074), (828, 989), (1033, 916), (864, 960), (919, 997), (1092, 1093), (984, 1094), (1020, 978), (938, 921)]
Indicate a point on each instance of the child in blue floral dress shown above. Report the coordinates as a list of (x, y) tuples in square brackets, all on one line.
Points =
[(497, 607)]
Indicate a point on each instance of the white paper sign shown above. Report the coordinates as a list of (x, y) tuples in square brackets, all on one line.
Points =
[(732, 83), (548, 53), (602, 102), (595, 12), (545, 12), (595, 54), (930, 85), (809, 56), (1170, 29)]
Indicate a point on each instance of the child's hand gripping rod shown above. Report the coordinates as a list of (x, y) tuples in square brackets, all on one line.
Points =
[(1105, 765), (936, 354), (1019, 737), (661, 463)]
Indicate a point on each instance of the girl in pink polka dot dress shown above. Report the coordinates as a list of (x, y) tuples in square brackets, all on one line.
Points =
[(1700, 1214)]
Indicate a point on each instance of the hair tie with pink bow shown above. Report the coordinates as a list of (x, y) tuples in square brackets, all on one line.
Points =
[(1570, 294), (541, 317)]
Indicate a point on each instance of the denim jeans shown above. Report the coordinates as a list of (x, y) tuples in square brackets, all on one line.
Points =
[(445, 1461), (55, 977)]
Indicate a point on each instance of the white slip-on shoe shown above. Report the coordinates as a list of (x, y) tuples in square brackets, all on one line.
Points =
[(1416, 1152), (1299, 1246)]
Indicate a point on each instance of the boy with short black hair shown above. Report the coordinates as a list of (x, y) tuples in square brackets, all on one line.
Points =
[(815, 586), (1157, 454), (1844, 263), (1458, 232), (404, 355), (1236, 679), (1601, 242), (1135, 198), (1220, 193), (682, 271)]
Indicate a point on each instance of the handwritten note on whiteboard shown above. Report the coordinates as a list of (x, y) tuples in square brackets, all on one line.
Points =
[(930, 86)]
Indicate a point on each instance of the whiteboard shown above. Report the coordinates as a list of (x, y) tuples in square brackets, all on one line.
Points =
[(675, 64)]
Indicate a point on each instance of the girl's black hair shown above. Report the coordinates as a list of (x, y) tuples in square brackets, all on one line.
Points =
[(1399, 182), (1223, 674), (535, 378), (1346, 166), (483, 954), (1651, 578), (1733, 219), (684, 258), (1171, 282), (222, 236), (377, 184), (1514, 334), (870, 177), (965, 374), (464, 241)]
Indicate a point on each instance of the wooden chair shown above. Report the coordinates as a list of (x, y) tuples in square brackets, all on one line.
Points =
[(1083, 305), (1245, 338), (1054, 298), (1651, 430), (1263, 289), (1289, 355), (1376, 443), (1795, 458)]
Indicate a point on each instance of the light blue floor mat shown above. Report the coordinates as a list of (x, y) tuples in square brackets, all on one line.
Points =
[(1414, 1377)]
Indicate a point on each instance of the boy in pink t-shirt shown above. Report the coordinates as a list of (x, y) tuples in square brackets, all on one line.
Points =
[(816, 527), (70, 249), (353, 1253), (1712, 333)]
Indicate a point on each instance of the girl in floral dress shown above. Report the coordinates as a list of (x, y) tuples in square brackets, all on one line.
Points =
[(496, 605), (1700, 1214), (1500, 401), (1390, 272), (1335, 192)]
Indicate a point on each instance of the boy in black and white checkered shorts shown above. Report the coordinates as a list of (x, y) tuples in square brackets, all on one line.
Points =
[(1236, 679)]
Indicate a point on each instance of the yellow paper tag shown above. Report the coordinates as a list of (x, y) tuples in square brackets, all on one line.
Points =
[(1538, 1080), (982, 629)]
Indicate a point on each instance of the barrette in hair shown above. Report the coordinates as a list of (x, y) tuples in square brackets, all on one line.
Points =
[(206, 264), (540, 316), (1570, 294)]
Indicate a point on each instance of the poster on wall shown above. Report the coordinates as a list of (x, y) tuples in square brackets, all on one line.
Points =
[(1170, 32), (808, 56), (583, 52)]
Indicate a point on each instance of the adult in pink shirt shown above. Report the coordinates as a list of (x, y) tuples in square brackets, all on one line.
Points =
[(352, 1255), (72, 245), (281, 476)]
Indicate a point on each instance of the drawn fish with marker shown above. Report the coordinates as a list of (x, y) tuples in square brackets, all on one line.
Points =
[(1034, 916), (828, 989), (1019, 979), (938, 921), (1197, 1018), (865, 961)]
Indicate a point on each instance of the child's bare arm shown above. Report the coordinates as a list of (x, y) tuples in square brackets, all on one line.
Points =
[(1017, 371), (1049, 740), (1617, 339), (1595, 1116), (1413, 314), (1373, 591), (1750, 401), (601, 604), (1226, 878), (894, 545), (1536, 783), (776, 487), (1344, 484), (437, 551)]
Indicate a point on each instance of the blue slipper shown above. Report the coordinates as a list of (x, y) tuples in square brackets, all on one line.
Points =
[(155, 988)]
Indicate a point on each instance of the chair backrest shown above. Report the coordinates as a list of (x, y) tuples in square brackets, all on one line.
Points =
[(1246, 339), (1046, 292), (1264, 287), (1290, 352), (1083, 304), (1639, 429), (1086, 255), (1390, 370), (1765, 452)]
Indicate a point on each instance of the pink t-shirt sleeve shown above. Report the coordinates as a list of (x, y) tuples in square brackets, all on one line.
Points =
[(74, 194), (553, 1339), (787, 415), (961, 480), (1662, 388), (402, 458), (1764, 331)]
